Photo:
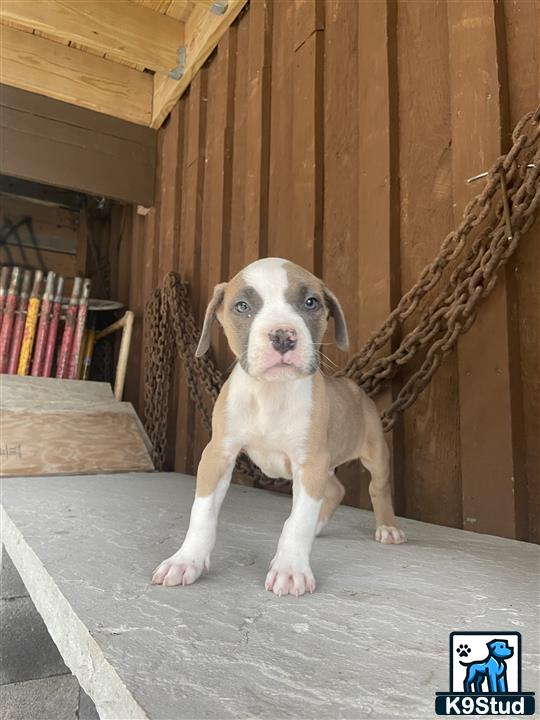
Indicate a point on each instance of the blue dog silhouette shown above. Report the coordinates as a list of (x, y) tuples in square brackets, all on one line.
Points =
[(493, 668)]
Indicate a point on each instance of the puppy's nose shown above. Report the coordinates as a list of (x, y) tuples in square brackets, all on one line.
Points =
[(283, 339)]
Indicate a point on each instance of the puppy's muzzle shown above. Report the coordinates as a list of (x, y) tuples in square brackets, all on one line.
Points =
[(283, 339)]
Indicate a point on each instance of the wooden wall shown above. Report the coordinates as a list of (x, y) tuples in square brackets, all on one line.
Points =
[(340, 135)]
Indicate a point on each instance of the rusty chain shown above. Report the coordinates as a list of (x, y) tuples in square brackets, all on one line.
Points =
[(501, 213)]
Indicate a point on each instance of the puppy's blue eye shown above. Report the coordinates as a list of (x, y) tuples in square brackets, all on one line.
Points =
[(241, 307), (312, 303)]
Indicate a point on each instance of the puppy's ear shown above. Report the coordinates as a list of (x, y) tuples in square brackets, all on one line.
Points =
[(215, 302), (340, 324)]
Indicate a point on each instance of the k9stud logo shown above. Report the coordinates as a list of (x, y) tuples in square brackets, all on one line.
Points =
[(485, 676)]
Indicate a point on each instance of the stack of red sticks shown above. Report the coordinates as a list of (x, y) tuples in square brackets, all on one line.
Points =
[(30, 323)]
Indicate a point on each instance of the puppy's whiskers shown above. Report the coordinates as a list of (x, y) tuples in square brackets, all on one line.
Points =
[(328, 360)]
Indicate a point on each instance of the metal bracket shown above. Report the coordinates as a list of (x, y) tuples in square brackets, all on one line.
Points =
[(177, 72), (219, 7)]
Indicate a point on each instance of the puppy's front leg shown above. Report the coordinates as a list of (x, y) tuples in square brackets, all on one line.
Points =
[(290, 571), (213, 479)]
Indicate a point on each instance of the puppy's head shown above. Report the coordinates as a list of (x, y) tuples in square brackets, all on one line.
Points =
[(274, 314)]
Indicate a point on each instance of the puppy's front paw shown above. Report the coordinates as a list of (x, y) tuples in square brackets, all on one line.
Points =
[(389, 535), (285, 577), (178, 570)]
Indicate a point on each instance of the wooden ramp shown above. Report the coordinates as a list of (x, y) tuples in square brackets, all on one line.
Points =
[(66, 427)]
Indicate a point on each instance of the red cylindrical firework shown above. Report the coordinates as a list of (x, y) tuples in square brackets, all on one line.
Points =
[(53, 328), (44, 319), (9, 315), (20, 320), (69, 329), (4, 282), (73, 365)]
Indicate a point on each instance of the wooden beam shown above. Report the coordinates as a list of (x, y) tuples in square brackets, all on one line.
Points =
[(119, 28), (203, 32), (41, 193), (49, 68), (47, 141)]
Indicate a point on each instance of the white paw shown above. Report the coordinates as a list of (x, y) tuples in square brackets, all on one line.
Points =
[(320, 526), (289, 578), (178, 570), (389, 535)]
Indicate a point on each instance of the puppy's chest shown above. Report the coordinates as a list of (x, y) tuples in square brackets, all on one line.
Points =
[(272, 419)]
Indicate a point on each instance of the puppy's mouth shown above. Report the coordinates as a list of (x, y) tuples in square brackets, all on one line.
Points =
[(281, 371), (283, 367), (288, 368)]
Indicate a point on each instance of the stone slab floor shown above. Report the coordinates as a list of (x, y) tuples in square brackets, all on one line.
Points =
[(371, 642)]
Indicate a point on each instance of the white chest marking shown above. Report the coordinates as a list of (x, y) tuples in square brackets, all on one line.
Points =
[(271, 419)]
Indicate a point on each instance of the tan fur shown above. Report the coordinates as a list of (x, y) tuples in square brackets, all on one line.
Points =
[(214, 459), (334, 493), (345, 426), (297, 275), (231, 290)]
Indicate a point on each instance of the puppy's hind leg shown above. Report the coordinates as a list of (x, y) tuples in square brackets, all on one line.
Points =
[(375, 457), (333, 495)]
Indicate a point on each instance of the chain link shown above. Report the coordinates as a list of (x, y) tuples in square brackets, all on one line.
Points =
[(501, 214)]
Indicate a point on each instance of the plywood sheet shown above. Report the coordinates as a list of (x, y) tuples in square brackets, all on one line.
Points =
[(50, 426), (17, 391), (68, 442)]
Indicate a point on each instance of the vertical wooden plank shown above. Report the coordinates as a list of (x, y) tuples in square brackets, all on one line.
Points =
[(523, 55), (216, 217), (121, 226), (307, 135), (135, 360), (257, 140), (183, 456), (150, 224), (170, 176), (430, 464), (153, 260), (342, 165), (170, 190), (190, 248), (193, 187), (488, 355), (374, 284), (239, 160), (308, 18), (281, 234), (218, 175), (148, 276)]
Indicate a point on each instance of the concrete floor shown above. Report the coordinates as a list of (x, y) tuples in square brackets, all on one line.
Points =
[(371, 642)]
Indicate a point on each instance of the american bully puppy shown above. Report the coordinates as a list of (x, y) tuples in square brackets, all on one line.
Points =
[(292, 421)]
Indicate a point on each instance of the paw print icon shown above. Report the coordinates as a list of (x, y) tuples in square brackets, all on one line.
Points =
[(463, 650)]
